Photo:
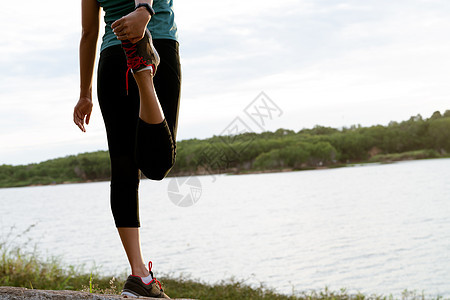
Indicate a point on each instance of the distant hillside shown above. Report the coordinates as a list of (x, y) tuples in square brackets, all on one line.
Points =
[(283, 149)]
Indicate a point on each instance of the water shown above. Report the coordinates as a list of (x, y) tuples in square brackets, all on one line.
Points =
[(374, 228)]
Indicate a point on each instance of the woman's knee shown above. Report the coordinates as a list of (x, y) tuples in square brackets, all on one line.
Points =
[(157, 165), (155, 150), (157, 173)]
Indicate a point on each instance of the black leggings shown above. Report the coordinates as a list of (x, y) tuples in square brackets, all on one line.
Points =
[(133, 144)]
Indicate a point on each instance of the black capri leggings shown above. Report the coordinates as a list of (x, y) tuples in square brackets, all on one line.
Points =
[(133, 144)]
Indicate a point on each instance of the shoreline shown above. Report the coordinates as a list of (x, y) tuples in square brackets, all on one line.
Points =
[(248, 172)]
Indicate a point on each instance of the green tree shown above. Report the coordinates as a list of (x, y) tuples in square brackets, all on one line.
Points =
[(439, 131)]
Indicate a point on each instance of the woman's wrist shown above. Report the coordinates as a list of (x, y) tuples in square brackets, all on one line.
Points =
[(144, 13), (86, 94), (147, 6)]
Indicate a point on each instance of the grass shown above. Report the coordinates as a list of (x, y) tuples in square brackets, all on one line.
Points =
[(26, 269), (410, 155)]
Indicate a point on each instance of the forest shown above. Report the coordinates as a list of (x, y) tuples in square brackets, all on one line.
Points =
[(281, 150)]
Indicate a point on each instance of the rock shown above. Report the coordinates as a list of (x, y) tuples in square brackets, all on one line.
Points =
[(13, 293)]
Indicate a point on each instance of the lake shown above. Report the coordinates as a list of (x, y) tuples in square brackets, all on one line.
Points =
[(378, 228)]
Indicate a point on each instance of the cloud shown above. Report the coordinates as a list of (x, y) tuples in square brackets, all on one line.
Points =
[(324, 62), (333, 64)]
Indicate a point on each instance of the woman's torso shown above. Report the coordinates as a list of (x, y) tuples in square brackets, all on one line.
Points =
[(161, 25)]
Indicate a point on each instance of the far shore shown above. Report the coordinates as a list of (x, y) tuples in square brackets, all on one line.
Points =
[(248, 172)]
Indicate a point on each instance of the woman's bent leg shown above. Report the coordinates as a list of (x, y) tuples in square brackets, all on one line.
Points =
[(155, 154), (150, 110), (154, 144), (167, 82), (156, 136)]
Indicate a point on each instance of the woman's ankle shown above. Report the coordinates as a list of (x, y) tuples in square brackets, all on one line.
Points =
[(140, 271)]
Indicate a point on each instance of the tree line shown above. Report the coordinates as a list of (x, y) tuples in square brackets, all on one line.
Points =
[(283, 149)]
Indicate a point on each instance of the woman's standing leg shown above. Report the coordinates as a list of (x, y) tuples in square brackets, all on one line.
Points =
[(120, 112)]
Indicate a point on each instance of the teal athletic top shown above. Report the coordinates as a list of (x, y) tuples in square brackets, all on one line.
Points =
[(161, 25)]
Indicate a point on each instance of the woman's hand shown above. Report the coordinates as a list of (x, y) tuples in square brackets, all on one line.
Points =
[(132, 26), (81, 111)]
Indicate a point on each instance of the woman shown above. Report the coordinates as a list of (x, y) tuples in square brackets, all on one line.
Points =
[(141, 130)]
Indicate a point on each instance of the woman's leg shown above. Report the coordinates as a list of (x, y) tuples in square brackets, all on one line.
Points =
[(155, 154), (150, 110), (132, 244), (155, 145), (120, 112), (167, 82)]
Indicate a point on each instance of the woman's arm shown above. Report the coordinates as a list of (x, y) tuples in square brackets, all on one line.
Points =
[(90, 22), (132, 26)]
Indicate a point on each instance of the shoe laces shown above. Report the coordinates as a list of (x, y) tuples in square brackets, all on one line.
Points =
[(150, 264), (133, 61)]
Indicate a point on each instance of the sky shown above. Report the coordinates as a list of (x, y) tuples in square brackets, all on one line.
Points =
[(321, 62)]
